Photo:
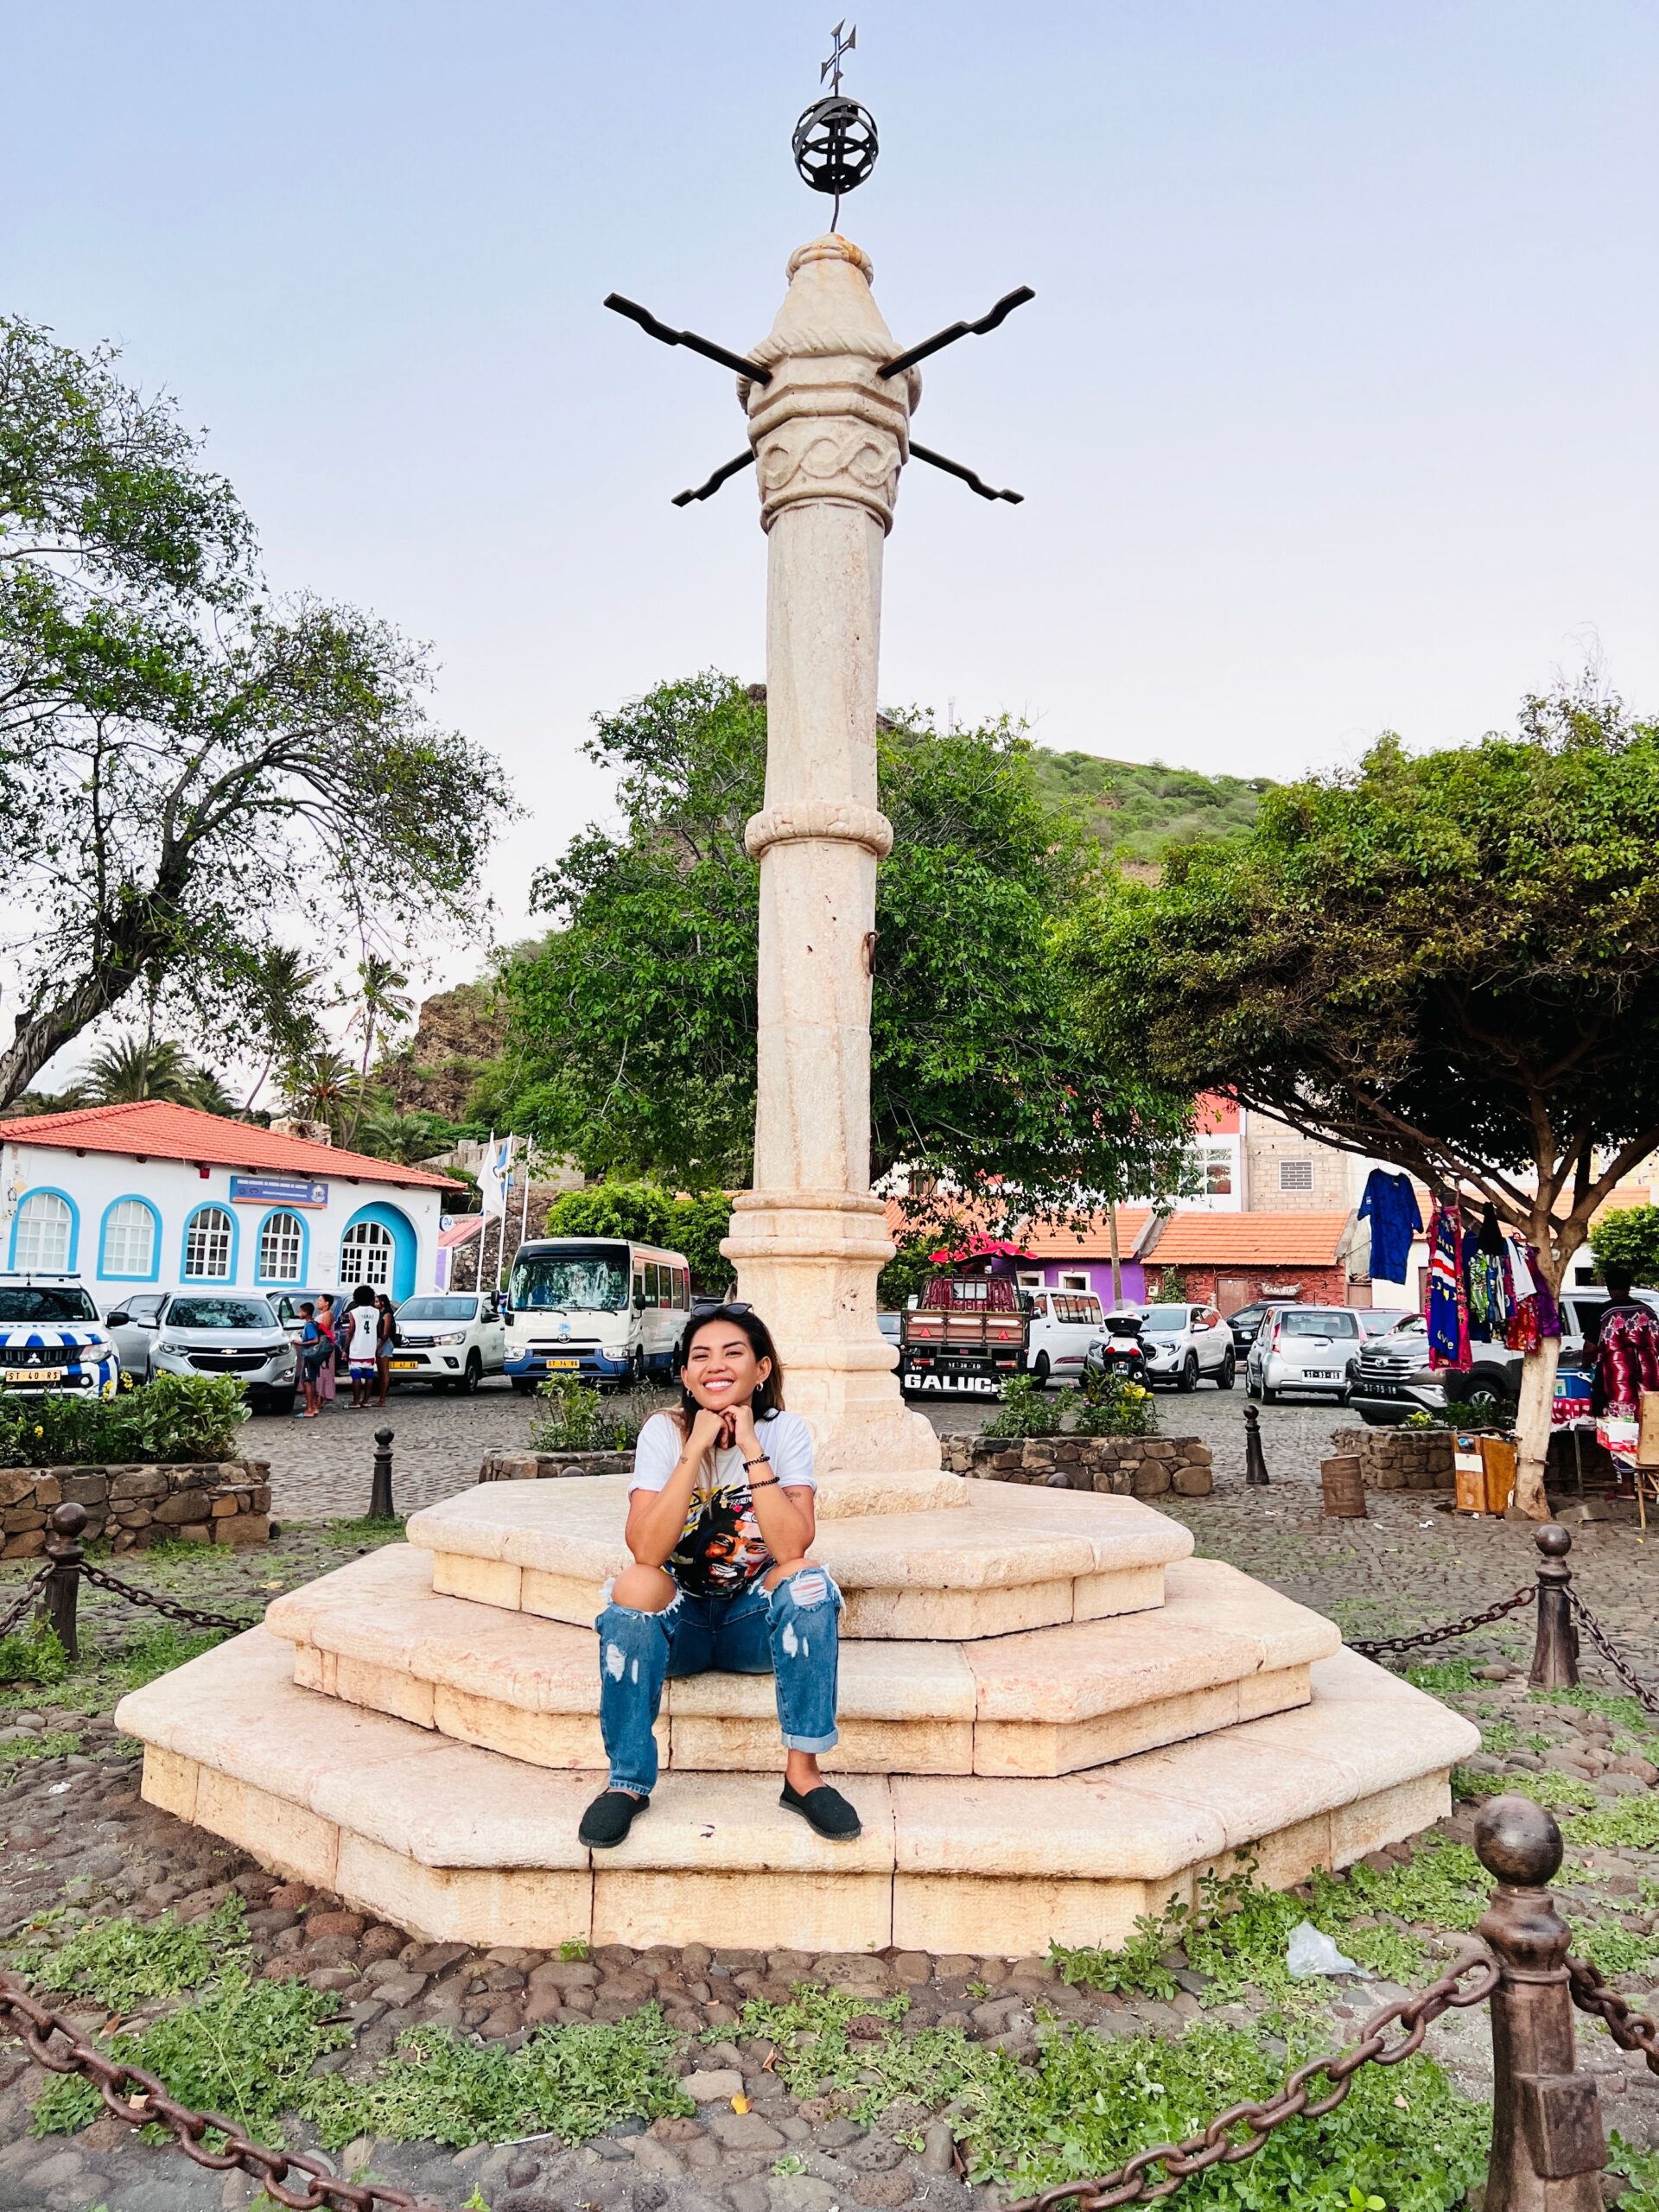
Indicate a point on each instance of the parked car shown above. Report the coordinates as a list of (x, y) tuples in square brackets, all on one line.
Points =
[(1244, 1325), (1063, 1324), (1382, 1321), (211, 1332), (1395, 1380), (1186, 1343), (891, 1325), (1304, 1348), (451, 1339), (52, 1338)]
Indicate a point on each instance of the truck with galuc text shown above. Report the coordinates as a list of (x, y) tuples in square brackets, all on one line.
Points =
[(967, 1336)]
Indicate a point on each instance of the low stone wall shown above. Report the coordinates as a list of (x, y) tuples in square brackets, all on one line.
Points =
[(1139, 1466), (546, 1466), (1398, 1459), (208, 1502)]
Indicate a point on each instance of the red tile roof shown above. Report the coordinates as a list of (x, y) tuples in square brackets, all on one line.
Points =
[(150, 1128), (1086, 1238), (1263, 1240)]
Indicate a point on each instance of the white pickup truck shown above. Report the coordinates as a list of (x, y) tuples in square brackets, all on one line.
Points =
[(1063, 1324)]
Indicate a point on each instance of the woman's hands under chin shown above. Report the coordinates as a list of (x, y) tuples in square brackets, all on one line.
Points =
[(711, 1432), (744, 1433)]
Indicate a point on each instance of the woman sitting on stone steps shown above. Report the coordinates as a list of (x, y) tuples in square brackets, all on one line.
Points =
[(720, 1516)]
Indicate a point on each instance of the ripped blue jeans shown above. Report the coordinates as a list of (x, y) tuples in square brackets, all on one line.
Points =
[(791, 1633)]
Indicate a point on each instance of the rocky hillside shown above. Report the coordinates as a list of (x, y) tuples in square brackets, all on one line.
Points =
[(457, 1033)]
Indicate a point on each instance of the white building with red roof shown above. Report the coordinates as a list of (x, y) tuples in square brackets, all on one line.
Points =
[(151, 1194)]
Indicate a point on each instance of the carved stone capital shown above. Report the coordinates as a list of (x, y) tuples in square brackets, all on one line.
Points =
[(827, 427), (815, 820)]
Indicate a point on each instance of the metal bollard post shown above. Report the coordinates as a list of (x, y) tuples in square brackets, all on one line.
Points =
[(1547, 2147), (1555, 1648), (63, 1548), (1255, 1467), (380, 1505)]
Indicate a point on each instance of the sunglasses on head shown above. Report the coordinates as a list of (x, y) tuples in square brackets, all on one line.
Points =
[(709, 1309)]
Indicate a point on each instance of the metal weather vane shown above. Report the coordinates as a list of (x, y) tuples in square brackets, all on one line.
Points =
[(835, 144)]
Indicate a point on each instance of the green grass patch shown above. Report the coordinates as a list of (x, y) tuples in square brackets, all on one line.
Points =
[(1405, 2135), (51, 1743), (573, 2082), (1560, 1793), (35, 1657), (1442, 1676), (246, 2049), (1614, 1950), (816, 2053), (104, 1673), (124, 1962), (1240, 1933), (1641, 2167), (1628, 1824), (369, 1530), (1624, 1711)]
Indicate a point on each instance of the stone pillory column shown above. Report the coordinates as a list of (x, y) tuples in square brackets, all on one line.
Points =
[(830, 438)]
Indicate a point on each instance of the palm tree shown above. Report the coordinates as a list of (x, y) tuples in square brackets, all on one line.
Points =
[(283, 982), (383, 1000), (321, 1086), (152, 1067)]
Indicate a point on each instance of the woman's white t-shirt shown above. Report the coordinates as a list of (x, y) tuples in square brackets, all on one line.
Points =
[(721, 1549)]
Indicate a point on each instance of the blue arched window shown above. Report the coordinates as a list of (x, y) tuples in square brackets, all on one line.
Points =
[(281, 1252), (210, 1240), (130, 1241), (379, 1248), (45, 1233)]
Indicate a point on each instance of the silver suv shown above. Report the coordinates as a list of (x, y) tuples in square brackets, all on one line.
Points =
[(1395, 1380)]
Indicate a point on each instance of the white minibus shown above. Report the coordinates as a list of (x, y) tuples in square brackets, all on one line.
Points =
[(602, 1307)]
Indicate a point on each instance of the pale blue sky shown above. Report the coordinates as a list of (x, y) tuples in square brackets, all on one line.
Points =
[(1334, 411)]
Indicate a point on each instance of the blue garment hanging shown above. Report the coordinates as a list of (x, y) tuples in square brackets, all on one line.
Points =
[(1390, 1204)]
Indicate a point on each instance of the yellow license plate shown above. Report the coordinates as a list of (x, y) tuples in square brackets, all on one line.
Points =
[(564, 1363), (36, 1375), (398, 1365)]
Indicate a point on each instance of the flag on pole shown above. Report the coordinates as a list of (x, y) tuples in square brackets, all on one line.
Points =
[(495, 1176)]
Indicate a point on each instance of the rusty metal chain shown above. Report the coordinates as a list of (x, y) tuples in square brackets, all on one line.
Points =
[(1630, 2030), (1464, 1627), (1604, 1643), (138, 2100), (31, 1590), (173, 1609), (1134, 2182)]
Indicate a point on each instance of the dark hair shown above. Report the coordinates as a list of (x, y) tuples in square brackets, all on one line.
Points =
[(384, 1303), (768, 1399), (306, 1306), (362, 1295)]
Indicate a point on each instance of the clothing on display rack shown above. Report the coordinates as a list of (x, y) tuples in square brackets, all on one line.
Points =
[(1446, 1307), (1390, 1205), (1627, 1364)]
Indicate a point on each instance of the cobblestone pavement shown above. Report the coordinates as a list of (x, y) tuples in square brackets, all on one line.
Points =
[(78, 1837), (322, 1469)]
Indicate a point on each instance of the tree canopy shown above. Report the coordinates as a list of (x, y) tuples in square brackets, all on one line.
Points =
[(649, 1215), (1628, 1237), (1449, 961), (632, 1031), (186, 758)]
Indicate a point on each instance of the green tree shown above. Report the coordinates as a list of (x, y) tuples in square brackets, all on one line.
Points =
[(1449, 962), (631, 1035), (651, 1215), (184, 757), (1629, 1238)]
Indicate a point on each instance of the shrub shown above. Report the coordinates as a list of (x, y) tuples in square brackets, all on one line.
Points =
[(174, 1417), (1113, 1405), (1025, 1411), (578, 1419)]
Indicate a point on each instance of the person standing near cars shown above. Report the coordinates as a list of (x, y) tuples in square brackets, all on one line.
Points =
[(362, 1342), (328, 1321), (386, 1331), (313, 1349)]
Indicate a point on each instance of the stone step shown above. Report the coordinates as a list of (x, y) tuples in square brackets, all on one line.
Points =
[(1046, 1702), (998, 1560), (455, 1843)]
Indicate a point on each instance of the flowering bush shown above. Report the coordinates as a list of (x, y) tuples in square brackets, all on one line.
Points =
[(1113, 1405)]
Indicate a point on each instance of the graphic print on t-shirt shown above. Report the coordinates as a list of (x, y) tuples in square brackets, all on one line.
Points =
[(721, 1549)]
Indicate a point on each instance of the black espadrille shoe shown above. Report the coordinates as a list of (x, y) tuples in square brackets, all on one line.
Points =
[(608, 1819), (825, 1810)]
